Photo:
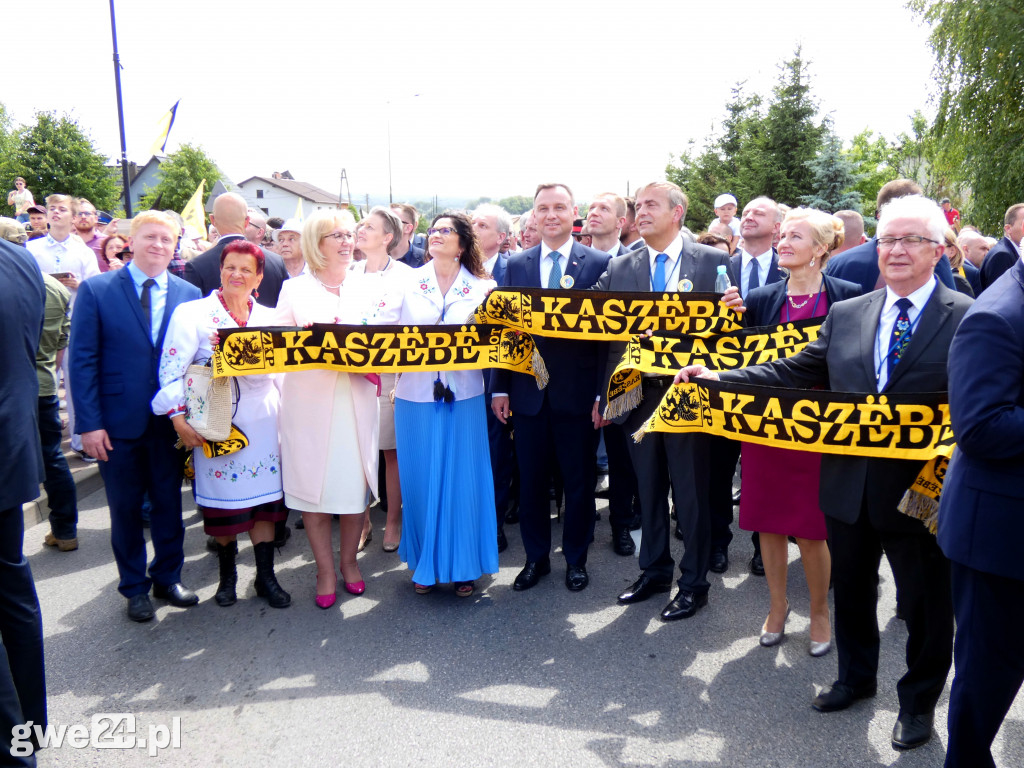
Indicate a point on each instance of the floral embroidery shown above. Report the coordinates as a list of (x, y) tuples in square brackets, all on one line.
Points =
[(425, 285), (235, 470), (172, 351)]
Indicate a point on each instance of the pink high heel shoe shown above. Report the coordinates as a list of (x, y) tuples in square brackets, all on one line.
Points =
[(326, 601), (355, 587)]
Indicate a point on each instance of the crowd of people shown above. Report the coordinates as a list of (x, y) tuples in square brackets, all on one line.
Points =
[(460, 454)]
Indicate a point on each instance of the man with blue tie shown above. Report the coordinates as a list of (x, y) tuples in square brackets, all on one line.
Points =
[(667, 262), (558, 423), (117, 336)]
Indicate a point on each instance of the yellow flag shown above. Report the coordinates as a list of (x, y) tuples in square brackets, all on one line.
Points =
[(193, 214), (298, 209), (164, 127)]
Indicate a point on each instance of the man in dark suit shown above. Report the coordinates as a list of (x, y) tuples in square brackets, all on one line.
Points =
[(557, 423), (117, 335), (629, 236), (605, 221), (412, 254), (891, 340), (980, 520), (22, 673), (755, 264), (860, 265), (1006, 252), (232, 220), (668, 262), (492, 225)]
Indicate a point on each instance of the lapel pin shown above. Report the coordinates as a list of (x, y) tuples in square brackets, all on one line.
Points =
[(566, 281), (685, 285)]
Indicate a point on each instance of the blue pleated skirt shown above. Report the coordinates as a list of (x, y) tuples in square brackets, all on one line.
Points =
[(449, 526)]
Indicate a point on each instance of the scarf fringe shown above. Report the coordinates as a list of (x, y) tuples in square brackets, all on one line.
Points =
[(540, 370), (623, 404), (920, 507)]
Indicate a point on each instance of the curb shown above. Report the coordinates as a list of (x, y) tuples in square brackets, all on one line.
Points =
[(87, 480)]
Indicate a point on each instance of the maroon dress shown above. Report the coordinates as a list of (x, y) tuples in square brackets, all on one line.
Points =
[(780, 486)]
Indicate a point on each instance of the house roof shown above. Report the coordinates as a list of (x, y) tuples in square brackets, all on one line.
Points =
[(306, 191)]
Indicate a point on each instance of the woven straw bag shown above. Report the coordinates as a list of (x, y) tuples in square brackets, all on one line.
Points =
[(208, 403)]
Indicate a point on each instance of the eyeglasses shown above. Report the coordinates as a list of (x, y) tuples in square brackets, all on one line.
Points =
[(340, 236), (85, 214), (909, 241), (444, 231)]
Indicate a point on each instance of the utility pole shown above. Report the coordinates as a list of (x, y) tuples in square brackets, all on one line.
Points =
[(120, 117)]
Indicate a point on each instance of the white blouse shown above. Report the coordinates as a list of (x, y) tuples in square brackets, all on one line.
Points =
[(415, 298)]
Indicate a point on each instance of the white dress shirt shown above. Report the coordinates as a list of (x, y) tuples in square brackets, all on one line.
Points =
[(674, 249), (489, 264), (70, 255), (157, 296), (564, 251), (764, 263), (888, 319)]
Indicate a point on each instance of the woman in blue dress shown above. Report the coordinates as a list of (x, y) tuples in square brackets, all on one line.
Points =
[(449, 531)]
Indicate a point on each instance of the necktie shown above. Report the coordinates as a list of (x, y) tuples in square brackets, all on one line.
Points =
[(658, 281), (754, 279), (900, 334), (147, 307), (555, 276)]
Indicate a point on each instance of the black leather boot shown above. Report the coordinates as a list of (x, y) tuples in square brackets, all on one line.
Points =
[(266, 582), (226, 554)]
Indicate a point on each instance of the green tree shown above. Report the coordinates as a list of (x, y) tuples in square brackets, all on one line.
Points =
[(871, 159), (918, 156), (55, 156), (792, 134), (516, 204), (832, 179), (180, 177), (979, 50)]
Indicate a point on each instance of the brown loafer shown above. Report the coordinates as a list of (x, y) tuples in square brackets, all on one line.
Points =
[(64, 545)]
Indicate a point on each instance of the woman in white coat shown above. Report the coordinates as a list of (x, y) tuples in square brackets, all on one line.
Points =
[(328, 419)]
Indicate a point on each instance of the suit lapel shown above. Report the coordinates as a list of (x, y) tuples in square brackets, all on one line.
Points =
[(533, 266), (575, 263), (128, 286), (935, 313), (642, 268), (868, 333), (173, 296), (687, 266)]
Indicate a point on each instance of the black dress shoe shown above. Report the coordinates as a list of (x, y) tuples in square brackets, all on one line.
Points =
[(719, 561), (684, 605), (140, 608), (576, 578), (912, 730), (177, 595), (643, 588), (299, 524), (757, 565), (636, 523), (502, 540), (840, 696), (622, 542), (531, 573)]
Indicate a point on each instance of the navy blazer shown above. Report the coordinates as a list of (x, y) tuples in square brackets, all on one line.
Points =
[(413, 257), (1000, 258), (204, 272), (22, 299), (576, 367), (860, 265), (973, 275), (736, 262), (764, 304), (114, 360), (498, 273), (981, 517)]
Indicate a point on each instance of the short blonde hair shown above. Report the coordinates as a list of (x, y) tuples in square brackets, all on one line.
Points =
[(155, 217), (316, 228), (68, 200), (826, 229)]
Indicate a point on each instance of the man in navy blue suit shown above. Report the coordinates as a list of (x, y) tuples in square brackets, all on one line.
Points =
[(860, 265), (492, 225), (117, 336), (412, 254), (558, 423), (981, 518), (22, 673), (1006, 252)]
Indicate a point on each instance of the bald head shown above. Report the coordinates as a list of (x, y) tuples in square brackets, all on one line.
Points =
[(974, 245), (229, 214), (853, 230)]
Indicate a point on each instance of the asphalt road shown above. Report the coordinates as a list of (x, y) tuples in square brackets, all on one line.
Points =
[(391, 678)]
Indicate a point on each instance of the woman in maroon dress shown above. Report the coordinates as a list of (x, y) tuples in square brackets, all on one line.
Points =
[(780, 486)]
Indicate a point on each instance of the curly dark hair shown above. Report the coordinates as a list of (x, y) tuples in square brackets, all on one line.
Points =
[(471, 256), (244, 246)]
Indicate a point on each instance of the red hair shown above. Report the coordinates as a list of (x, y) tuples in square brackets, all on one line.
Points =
[(249, 249)]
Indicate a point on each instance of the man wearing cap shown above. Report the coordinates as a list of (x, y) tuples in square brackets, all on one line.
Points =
[(289, 247), (36, 221), (725, 211), (952, 214)]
